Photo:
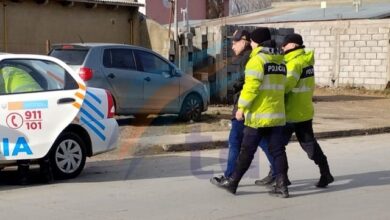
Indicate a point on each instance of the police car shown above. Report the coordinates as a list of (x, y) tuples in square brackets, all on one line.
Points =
[(46, 111)]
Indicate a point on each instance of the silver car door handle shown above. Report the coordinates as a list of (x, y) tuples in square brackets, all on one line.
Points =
[(111, 75), (66, 100), (147, 79)]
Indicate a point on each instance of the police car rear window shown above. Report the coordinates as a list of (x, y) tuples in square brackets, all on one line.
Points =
[(70, 56)]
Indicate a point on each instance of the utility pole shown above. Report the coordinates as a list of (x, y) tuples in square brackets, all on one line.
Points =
[(175, 24), (186, 23), (357, 4), (5, 26), (176, 37)]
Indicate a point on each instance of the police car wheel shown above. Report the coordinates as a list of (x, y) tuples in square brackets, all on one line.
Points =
[(191, 108), (68, 156)]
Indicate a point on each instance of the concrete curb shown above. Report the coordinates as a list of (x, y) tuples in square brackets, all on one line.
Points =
[(203, 145)]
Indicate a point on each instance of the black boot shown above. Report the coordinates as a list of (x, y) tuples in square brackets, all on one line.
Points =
[(45, 170), (23, 172), (326, 176), (280, 189), (272, 186), (268, 180), (217, 179), (229, 184)]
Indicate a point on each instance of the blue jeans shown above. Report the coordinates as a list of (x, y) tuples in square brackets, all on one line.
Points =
[(235, 140)]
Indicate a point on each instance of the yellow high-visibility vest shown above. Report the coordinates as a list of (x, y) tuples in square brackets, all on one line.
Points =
[(300, 85), (262, 97), (17, 80)]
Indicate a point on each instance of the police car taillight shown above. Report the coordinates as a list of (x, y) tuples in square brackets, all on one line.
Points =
[(111, 106), (86, 73)]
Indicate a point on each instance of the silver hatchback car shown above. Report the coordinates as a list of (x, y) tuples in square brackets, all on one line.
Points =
[(141, 81)]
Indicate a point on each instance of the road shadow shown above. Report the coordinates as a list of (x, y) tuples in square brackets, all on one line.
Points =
[(343, 98), (202, 168), (129, 169), (9, 179), (307, 187)]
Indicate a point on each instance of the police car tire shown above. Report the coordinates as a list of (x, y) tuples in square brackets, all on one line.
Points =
[(191, 108), (78, 144)]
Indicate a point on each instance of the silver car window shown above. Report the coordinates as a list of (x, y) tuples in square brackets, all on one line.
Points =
[(119, 58), (151, 63), (70, 56)]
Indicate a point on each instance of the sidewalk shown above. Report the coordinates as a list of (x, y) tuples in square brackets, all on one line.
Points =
[(335, 116)]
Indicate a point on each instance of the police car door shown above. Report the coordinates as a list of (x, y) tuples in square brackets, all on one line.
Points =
[(38, 99)]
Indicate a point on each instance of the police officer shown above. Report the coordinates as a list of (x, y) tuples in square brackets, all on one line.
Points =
[(17, 80), (242, 49), (299, 106), (261, 103)]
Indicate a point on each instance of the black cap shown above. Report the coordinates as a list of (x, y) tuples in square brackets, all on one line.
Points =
[(293, 38), (241, 35), (259, 35)]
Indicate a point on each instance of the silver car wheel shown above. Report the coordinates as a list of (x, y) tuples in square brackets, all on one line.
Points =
[(192, 108), (68, 156)]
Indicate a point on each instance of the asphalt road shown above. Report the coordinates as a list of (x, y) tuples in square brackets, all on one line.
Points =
[(176, 186)]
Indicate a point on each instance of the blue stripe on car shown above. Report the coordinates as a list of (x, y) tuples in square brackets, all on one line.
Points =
[(94, 97), (94, 108), (95, 130), (83, 111)]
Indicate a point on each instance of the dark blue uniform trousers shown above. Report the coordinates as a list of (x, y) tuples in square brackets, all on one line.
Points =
[(235, 140), (276, 139), (305, 135)]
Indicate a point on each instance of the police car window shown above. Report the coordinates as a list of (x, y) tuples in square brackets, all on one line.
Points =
[(30, 75), (119, 58), (151, 63)]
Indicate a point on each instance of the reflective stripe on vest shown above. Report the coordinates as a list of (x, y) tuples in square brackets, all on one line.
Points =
[(256, 74), (302, 89), (272, 87), (294, 74), (243, 102), (266, 83), (250, 116), (263, 57)]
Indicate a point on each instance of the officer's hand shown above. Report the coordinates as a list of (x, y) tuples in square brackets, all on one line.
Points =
[(239, 115)]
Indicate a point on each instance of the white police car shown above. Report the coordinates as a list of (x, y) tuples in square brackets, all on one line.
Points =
[(46, 111)]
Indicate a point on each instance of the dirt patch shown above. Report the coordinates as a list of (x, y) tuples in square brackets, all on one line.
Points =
[(335, 109), (217, 118)]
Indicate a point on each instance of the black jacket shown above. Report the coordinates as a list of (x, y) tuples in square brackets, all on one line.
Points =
[(239, 83)]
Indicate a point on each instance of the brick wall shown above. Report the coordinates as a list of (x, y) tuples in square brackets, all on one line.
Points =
[(353, 53), (348, 53)]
